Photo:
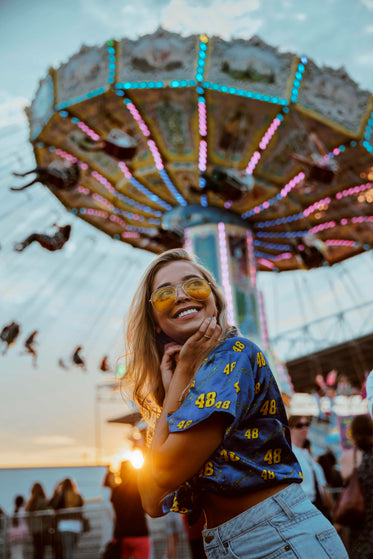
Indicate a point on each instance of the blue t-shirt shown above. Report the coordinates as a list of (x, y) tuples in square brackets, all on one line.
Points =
[(255, 453)]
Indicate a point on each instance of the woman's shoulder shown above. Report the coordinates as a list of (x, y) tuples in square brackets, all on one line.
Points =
[(237, 344)]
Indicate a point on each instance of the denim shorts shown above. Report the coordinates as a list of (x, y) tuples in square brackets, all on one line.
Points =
[(285, 526)]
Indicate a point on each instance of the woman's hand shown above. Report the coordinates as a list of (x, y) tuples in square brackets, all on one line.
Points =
[(200, 344), (168, 363)]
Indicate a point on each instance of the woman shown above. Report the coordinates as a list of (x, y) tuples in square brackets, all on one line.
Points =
[(361, 535), (18, 534), (130, 522), (39, 522), (314, 483), (69, 523), (221, 442)]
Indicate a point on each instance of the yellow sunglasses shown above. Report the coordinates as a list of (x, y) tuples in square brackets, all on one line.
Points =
[(163, 298)]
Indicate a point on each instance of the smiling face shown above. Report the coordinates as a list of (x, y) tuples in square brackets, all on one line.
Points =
[(185, 316)]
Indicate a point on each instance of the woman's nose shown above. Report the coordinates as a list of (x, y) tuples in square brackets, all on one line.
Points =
[(180, 293)]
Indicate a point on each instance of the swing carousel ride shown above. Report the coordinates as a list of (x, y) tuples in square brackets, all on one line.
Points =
[(254, 159)]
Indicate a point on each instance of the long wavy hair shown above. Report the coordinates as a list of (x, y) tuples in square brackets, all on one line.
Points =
[(37, 495), (142, 381)]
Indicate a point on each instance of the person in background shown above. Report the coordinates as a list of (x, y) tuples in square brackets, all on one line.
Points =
[(361, 535), (328, 462), (221, 441), (19, 533), (69, 523), (38, 523), (108, 516), (314, 482), (130, 522), (369, 391)]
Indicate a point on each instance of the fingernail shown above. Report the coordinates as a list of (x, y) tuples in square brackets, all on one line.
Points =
[(208, 319)]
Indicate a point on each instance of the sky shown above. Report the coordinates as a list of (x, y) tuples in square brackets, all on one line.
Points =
[(79, 296)]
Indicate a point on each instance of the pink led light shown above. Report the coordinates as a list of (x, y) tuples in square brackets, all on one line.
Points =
[(136, 115), (97, 213), (66, 155), (225, 271), (250, 252), (344, 221), (322, 227), (83, 190), (202, 119), (292, 184), (188, 241), (253, 162), (316, 206), (130, 235), (284, 256), (202, 160), (263, 320), (87, 130), (266, 263), (118, 220), (105, 183), (156, 155), (103, 200), (353, 190), (125, 170), (269, 133), (340, 242)]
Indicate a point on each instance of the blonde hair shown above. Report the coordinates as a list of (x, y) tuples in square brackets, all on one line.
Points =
[(143, 352)]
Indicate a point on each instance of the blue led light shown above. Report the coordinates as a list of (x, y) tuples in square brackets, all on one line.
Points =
[(199, 77), (159, 84), (202, 54), (82, 211), (200, 89), (64, 114), (74, 211), (301, 68), (175, 193), (201, 100), (203, 46), (304, 59), (174, 83), (204, 202), (111, 50)]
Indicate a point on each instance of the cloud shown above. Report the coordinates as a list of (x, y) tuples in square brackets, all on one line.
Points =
[(12, 109), (54, 440), (218, 18), (365, 59), (368, 4), (368, 28)]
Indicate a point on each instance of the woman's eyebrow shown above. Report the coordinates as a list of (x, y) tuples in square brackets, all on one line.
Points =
[(184, 278)]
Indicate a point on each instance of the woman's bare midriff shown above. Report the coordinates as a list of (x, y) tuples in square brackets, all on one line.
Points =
[(220, 509)]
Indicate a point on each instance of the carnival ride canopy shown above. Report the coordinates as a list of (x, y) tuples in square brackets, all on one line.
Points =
[(165, 128)]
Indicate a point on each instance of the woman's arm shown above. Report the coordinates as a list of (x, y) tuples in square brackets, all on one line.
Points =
[(175, 457)]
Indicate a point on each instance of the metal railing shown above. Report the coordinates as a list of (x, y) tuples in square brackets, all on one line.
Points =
[(44, 523)]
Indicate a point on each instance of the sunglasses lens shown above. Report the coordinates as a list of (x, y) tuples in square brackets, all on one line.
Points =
[(163, 299), (300, 425), (198, 289)]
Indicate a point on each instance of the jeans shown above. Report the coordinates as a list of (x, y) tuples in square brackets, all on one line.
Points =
[(284, 526), (68, 543)]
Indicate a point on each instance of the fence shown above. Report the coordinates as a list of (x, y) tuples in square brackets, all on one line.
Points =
[(89, 544)]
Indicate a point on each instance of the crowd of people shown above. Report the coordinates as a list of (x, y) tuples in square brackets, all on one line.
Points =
[(56, 522)]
